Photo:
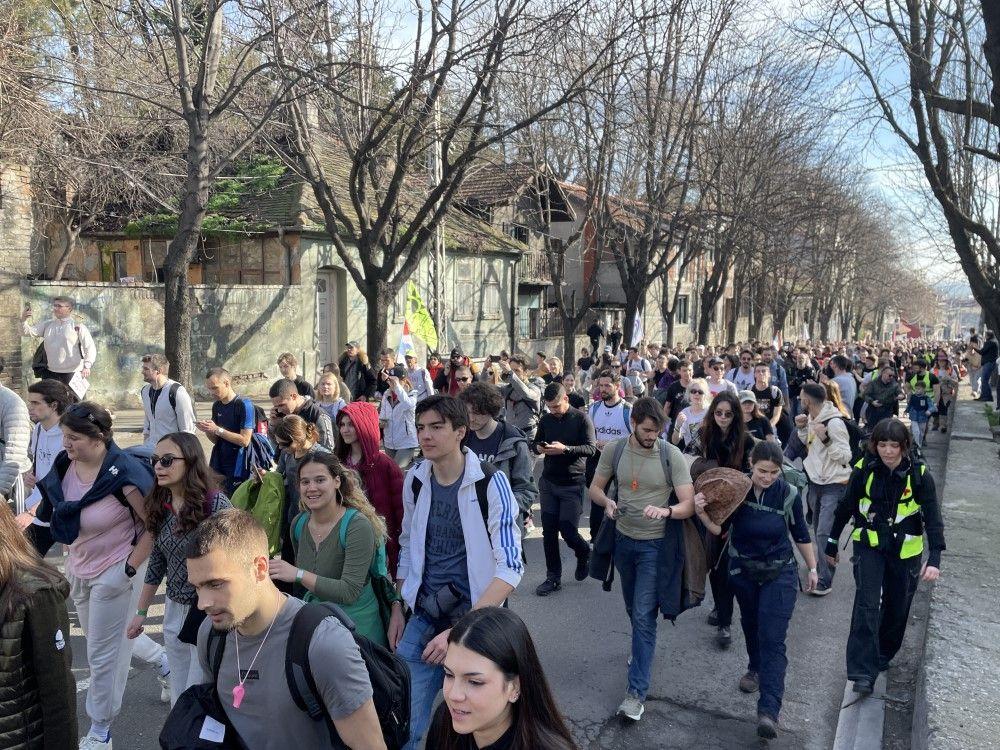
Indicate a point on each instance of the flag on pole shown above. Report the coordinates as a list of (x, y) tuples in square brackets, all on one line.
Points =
[(405, 343), (778, 341), (419, 317), (637, 332), (805, 332)]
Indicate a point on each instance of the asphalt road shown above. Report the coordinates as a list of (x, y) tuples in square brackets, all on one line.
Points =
[(583, 637)]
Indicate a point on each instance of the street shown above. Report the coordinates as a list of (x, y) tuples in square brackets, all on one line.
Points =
[(583, 638)]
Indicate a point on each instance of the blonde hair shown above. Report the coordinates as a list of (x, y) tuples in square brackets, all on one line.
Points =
[(833, 394), (701, 383), (350, 494), (336, 386)]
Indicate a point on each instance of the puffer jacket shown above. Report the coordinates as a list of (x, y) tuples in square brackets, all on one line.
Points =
[(37, 688)]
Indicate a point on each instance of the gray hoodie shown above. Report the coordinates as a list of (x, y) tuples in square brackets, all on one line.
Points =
[(522, 402)]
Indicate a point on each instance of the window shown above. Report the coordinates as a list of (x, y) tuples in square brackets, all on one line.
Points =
[(463, 302), (682, 312), (518, 233), (251, 260), (154, 255), (398, 306), (491, 291), (792, 317)]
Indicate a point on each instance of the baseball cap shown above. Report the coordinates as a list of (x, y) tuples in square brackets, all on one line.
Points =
[(353, 344), (715, 361), (745, 396), (456, 352)]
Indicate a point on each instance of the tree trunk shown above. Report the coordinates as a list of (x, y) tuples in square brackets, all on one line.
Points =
[(631, 313), (70, 238), (377, 293), (569, 344)]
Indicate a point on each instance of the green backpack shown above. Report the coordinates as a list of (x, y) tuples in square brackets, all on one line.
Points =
[(265, 501)]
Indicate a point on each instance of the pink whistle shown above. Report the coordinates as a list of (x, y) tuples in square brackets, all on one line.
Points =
[(238, 692)]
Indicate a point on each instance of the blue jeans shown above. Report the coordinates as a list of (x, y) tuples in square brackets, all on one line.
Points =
[(765, 611), (425, 679), (636, 560), (985, 391)]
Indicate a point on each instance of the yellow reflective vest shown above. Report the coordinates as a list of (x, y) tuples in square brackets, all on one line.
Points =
[(907, 519)]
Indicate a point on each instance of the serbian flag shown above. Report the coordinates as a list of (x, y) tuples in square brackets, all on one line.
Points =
[(778, 341), (405, 343)]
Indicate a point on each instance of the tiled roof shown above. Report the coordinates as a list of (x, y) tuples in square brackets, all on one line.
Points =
[(489, 184)]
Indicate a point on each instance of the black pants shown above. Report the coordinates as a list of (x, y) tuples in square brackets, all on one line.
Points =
[(884, 591), (562, 506), (718, 578), (594, 343), (62, 377)]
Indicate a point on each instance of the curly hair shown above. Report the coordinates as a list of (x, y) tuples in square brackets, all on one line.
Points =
[(198, 484)]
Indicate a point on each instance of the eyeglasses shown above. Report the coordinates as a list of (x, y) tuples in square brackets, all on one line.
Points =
[(166, 461), (721, 413)]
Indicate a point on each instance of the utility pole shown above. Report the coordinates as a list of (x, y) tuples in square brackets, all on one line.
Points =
[(437, 257)]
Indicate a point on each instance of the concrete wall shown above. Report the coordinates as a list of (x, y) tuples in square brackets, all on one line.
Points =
[(242, 328)]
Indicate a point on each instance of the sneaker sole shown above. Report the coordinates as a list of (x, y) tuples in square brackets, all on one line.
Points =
[(820, 592), (630, 717), (766, 733)]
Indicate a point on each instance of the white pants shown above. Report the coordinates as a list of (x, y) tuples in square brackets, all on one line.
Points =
[(104, 605), (185, 669)]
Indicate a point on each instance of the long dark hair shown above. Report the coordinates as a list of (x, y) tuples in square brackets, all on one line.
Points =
[(502, 637), (18, 562), (199, 482), (728, 448)]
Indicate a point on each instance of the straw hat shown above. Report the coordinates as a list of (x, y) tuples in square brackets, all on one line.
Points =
[(724, 490)]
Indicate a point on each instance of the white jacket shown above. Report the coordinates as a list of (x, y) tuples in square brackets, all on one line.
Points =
[(399, 419), (496, 554), (827, 462), (166, 419)]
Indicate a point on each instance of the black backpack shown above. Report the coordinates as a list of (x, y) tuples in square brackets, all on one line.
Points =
[(388, 674), (855, 436)]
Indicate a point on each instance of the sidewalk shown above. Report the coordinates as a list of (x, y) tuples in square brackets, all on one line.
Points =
[(959, 692)]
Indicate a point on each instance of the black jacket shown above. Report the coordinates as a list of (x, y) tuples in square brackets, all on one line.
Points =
[(574, 430), (358, 376), (37, 688)]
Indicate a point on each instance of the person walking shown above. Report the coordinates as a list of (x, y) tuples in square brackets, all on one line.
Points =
[(822, 429), (93, 499), (288, 366), (336, 537), (47, 400), (566, 439), (919, 409), (357, 372), (15, 434), (382, 480), (688, 421), (610, 415), (229, 430), (175, 413), (641, 509), (396, 415), (974, 363), (596, 332), (722, 441), (295, 439), (495, 692), (882, 395), (988, 354), (892, 502), (254, 622), (285, 400), (38, 703), (522, 396), (186, 493), (763, 575), (453, 556), (329, 396), (68, 346), (614, 337), (423, 383)]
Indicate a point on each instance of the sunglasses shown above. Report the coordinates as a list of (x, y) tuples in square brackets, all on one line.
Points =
[(696, 392), (463, 380), (721, 413), (166, 461), (720, 368)]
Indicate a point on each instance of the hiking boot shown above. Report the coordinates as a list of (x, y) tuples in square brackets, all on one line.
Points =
[(631, 708), (713, 618), (547, 586), (821, 590), (723, 637), (582, 567), (767, 728), (863, 687), (749, 683)]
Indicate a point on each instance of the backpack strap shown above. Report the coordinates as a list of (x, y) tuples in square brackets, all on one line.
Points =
[(344, 523), (215, 647), (300, 524), (482, 494), (120, 495), (627, 415), (172, 395), (298, 672)]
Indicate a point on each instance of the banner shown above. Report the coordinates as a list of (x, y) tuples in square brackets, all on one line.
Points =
[(419, 318), (405, 343), (637, 332), (778, 341)]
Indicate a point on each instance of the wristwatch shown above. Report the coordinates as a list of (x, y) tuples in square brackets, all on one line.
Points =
[(129, 570)]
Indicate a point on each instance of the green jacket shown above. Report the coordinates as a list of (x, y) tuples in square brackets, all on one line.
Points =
[(266, 502)]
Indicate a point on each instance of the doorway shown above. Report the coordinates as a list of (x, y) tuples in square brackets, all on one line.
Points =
[(330, 314)]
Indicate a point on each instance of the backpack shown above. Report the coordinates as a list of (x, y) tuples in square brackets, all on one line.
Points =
[(388, 673), (265, 501), (171, 397), (855, 437), (259, 417), (795, 477), (482, 488)]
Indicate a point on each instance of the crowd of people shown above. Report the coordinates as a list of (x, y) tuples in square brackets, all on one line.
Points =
[(374, 519)]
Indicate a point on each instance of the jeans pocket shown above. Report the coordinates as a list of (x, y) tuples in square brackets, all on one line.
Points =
[(416, 636)]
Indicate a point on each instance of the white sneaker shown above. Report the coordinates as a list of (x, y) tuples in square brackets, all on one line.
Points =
[(164, 680), (95, 743), (631, 708)]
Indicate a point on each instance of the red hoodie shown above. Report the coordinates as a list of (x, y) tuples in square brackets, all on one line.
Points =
[(382, 478)]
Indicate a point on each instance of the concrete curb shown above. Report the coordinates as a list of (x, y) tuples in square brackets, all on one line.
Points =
[(861, 720)]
